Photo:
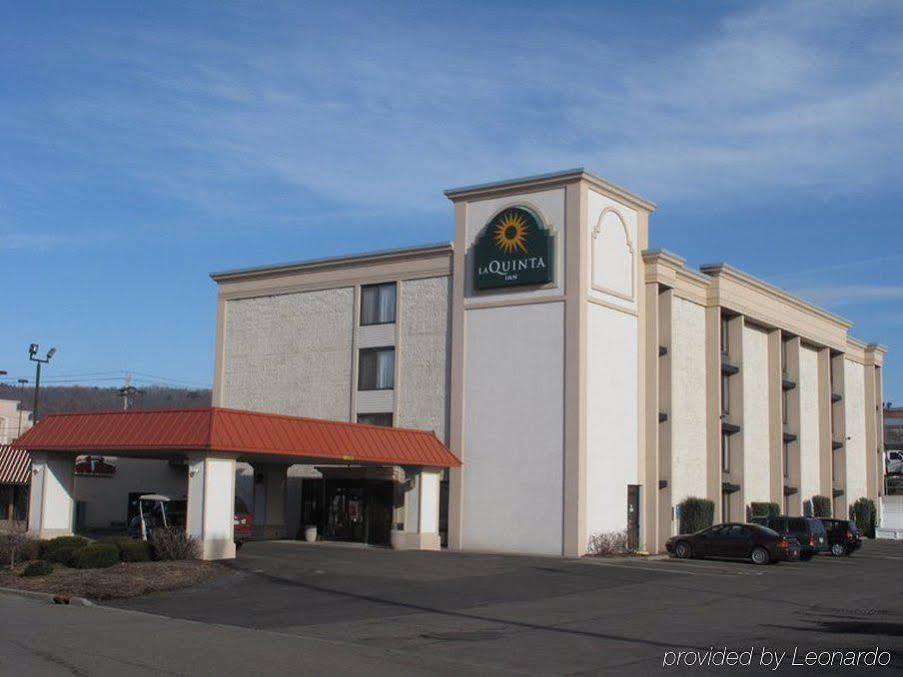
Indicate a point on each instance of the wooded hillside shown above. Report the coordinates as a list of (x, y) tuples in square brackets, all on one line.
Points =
[(58, 399)]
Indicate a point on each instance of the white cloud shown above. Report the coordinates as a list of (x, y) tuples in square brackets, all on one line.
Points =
[(383, 112)]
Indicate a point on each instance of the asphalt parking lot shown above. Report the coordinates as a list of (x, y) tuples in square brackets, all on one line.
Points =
[(419, 612)]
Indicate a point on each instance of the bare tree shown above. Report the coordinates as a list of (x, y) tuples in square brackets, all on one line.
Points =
[(14, 538)]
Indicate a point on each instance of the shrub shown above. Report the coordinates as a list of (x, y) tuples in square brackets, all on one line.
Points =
[(95, 556), (696, 514), (172, 543), (38, 568), (821, 506), (134, 551), (807, 508), (764, 509), (61, 555), (608, 544), (62, 542), (16, 546), (863, 512)]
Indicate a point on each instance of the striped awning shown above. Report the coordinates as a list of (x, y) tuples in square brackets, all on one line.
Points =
[(15, 465)]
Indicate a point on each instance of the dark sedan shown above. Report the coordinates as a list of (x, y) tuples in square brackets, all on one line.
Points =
[(759, 544)]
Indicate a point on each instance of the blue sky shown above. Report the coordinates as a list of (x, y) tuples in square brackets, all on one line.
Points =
[(142, 147)]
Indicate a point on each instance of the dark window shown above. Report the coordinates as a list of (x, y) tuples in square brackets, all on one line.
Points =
[(378, 303), (725, 506), (785, 406), (20, 507), (796, 524), (784, 358), (725, 394), (786, 459), (376, 370), (725, 452), (375, 419), (6, 499), (725, 336)]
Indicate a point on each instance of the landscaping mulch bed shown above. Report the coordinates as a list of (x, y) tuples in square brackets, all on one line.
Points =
[(126, 579)]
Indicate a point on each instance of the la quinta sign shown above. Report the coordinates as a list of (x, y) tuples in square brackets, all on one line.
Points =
[(514, 249)]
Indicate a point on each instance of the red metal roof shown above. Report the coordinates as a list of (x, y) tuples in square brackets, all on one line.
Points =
[(15, 465), (247, 433)]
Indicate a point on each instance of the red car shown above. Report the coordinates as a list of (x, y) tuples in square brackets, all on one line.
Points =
[(243, 522)]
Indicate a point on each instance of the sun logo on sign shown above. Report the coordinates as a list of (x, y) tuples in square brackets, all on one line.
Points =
[(511, 233)]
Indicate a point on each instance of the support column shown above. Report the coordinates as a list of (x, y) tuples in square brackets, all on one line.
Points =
[(211, 504), (51, 500), (270, 485), (421, 511)]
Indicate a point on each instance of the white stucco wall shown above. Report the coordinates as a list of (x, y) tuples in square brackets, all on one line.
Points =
[(688, 401), (423, 353), (854, 414), (514, 429), (613, 253), (611, 421), (290, 354), (755, 429), (106, 498), (809, 423)]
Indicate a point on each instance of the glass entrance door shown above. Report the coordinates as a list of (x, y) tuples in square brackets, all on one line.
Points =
[(358, 510), (345, 520)]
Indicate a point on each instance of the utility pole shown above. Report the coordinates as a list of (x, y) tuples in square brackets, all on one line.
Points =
[(4, 432), (41, 361), (127, 392), (22, 382)]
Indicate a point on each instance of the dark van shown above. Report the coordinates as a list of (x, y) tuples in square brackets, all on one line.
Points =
[(810, 532)]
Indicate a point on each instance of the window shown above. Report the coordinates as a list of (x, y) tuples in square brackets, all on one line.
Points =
[(784, 358), (378, 304), (725, 507), (20, 504), (376, 370), (725, 452), (6, 499), (725, 394), (785, 406), (725, 336), (376, 419), (786, 459)]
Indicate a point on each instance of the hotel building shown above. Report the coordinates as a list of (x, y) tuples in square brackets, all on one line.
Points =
[(586, 382)]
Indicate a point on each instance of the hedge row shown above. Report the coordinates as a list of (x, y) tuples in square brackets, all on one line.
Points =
[(696, 514)]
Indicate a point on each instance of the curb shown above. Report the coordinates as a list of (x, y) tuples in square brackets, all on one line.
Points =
[(48, 597)]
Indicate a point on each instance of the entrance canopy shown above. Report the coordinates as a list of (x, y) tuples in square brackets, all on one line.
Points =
[(248, 434)]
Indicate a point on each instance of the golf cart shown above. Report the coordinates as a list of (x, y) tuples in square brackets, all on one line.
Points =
[(152, 514)]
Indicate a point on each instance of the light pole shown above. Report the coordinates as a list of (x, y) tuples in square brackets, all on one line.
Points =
[(32, 355), (22, 382)]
